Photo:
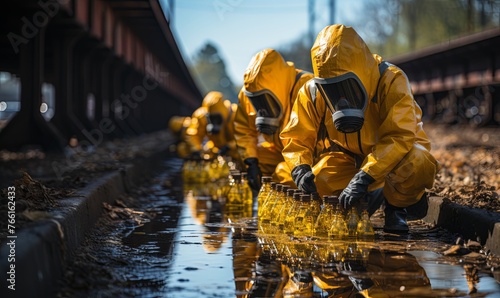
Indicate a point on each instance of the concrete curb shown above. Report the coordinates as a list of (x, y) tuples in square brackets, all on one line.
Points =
[(43, 248), (474, 224)]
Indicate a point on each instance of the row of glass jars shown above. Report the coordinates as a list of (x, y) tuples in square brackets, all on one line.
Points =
[(285, 210)]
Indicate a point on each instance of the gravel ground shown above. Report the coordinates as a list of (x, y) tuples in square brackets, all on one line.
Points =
[(470, 159)]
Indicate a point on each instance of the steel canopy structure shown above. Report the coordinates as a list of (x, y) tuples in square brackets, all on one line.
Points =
[(113, 66)]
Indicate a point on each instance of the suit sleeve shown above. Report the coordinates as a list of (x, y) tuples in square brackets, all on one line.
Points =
[(399, 122), (245, 132), (301, 131)]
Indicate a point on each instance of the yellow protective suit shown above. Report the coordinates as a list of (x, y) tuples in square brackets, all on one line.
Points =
[(197, 135), (267, 70), (391, 147), (178, 125)]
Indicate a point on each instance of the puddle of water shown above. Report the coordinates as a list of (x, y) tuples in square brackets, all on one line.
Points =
[(216, 254), (202, 262), (154, 237), (457, 277)]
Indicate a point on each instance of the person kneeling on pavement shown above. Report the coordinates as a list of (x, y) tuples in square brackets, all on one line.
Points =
[(375, 148)]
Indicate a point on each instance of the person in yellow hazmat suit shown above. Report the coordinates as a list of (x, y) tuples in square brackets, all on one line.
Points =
[(270, 86), (376, 149), (213, 121), (178, 126)]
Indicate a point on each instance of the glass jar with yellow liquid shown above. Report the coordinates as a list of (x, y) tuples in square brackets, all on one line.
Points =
[(338, 226), (325, 217), (304, 220)]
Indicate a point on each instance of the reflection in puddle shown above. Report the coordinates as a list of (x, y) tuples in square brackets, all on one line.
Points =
[(218, 252), (154, 237)]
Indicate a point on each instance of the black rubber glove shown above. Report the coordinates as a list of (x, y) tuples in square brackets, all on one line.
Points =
[(355, 190), (254, 174), (304, 179), (224, 150)]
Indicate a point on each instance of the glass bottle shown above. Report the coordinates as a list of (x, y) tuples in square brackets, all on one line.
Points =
[(223, 167), (235, 204), (265, 218), (303, 221), (271, 200), (246, 190), (278, 205), (288, 227), (264, 190), (338, 227), (285, 209), (365, 229), (352, 219), (267, 199), (315, 205), (213, 170), (221, 185), (325, 217)]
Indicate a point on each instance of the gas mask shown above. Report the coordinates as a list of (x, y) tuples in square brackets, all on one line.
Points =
[(269, 110), (214, 123), (346, 97)]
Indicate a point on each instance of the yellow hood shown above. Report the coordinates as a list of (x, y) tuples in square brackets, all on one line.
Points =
[(338, 50), (215, 103), (268, 70)]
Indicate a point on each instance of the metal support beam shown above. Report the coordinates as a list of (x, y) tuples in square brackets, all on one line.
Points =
[(64, 69), (28, 127), (118, 107)]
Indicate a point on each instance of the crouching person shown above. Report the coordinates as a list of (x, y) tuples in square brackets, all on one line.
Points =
[(375, 148)]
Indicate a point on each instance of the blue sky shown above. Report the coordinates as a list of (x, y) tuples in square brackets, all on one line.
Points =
[(241, 28)]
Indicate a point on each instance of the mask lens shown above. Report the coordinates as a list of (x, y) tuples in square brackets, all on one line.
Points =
[(214, 123), (215, 119), (266, 105), (346, 94)]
